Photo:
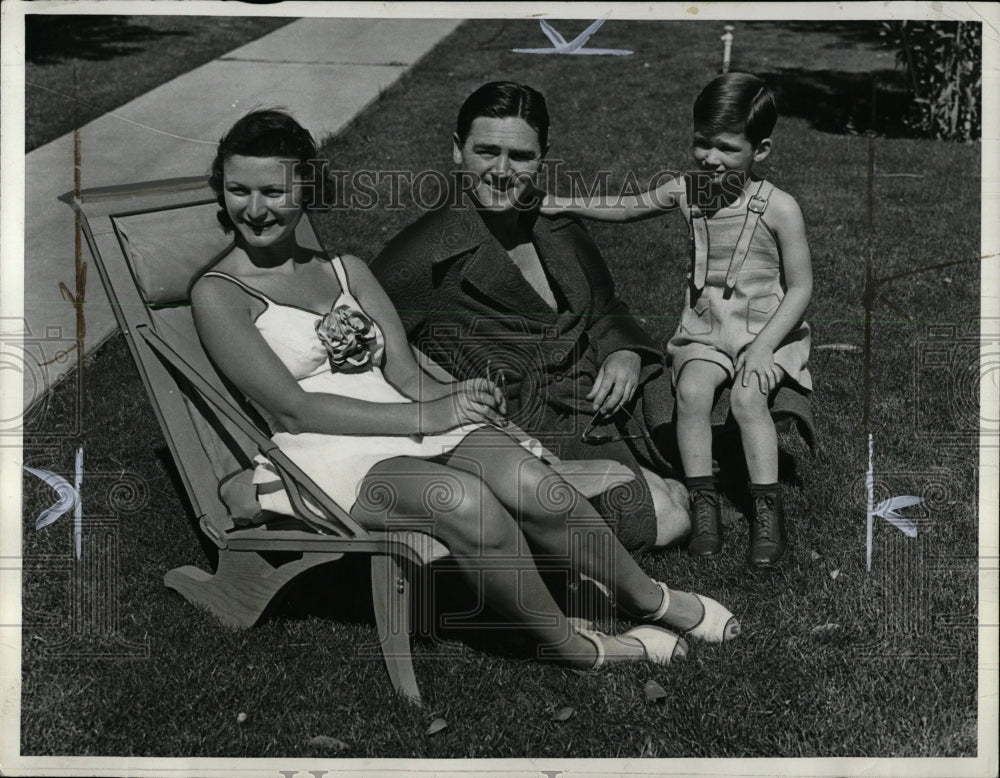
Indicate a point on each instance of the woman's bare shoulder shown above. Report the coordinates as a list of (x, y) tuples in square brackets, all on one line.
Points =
[(216, 285), (351, 262), (357, 269)]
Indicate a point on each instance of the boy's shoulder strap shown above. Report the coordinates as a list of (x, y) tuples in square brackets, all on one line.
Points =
[(698, 246), (755, 209), (697, 233)]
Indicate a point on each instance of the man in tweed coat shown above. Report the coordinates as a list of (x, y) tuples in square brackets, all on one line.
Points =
[(486, 286)]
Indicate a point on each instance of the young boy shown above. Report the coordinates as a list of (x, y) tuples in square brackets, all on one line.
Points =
[(748, 286)]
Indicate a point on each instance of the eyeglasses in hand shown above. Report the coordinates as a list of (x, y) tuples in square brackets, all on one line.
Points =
[(588, 435)]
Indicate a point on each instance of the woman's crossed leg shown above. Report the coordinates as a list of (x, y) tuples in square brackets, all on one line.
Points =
[(485, 541), (518, 507)]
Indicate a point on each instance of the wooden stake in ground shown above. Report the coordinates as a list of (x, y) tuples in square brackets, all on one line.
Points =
[(727, 46)]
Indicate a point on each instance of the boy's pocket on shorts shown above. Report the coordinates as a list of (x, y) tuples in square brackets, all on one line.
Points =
[(697, 319), (760, 310)]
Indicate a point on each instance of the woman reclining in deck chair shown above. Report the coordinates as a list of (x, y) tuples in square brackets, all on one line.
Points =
[(314, 342)]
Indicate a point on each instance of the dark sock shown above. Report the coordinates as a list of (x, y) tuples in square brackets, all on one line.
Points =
[(628, 509), (757, 489), (700, 483)]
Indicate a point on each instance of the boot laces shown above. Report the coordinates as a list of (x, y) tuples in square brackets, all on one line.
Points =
[(704, 509), (765, 524)]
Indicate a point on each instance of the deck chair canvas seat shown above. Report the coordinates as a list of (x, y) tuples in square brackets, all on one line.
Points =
[(150, 241)]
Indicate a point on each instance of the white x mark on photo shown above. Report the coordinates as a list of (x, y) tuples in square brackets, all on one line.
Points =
[(575, 46)]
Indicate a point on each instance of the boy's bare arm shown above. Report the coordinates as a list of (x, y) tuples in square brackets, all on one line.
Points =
[(785, 218), (612, 208)]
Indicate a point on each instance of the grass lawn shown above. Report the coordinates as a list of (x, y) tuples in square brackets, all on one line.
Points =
[(117, 58), (834, 660)]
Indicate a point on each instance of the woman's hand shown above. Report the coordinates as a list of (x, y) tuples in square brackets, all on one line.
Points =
[(758, 360), (497, 400), (470, 402)]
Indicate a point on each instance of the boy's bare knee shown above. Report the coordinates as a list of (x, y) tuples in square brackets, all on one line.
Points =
[(748, 403), (696, 385), (690, 394)]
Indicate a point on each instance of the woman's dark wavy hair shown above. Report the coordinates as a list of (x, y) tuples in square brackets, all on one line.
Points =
[(269, 133), (503, 100), (737, 102)]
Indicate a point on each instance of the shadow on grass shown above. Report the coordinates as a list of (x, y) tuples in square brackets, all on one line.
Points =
[(209, 548), (849, 33), (52, 39), (841, 102), (444, 610)]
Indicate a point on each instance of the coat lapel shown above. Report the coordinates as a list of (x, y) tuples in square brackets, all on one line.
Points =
[(492, 274), (558, 256)]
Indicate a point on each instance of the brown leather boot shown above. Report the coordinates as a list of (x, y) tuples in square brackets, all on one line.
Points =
[(768, 538), (706, 523)]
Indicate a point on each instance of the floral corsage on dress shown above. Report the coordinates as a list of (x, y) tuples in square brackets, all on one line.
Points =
[(352, 339)]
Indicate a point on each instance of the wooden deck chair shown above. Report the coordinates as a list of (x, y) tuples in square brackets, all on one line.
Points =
[(150, 241)]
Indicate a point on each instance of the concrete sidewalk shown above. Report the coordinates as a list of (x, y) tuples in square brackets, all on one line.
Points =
[(324, 71)]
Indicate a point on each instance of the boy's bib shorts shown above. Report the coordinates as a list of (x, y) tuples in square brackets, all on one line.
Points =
[(735, 285)]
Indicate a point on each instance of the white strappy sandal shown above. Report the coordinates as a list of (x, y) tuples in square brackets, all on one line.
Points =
[(717, 624), (660, 645)]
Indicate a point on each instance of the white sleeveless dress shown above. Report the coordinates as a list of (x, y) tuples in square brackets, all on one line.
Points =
[(337, 463)]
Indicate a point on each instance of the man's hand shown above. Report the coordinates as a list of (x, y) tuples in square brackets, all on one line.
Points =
[(616, 381)]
